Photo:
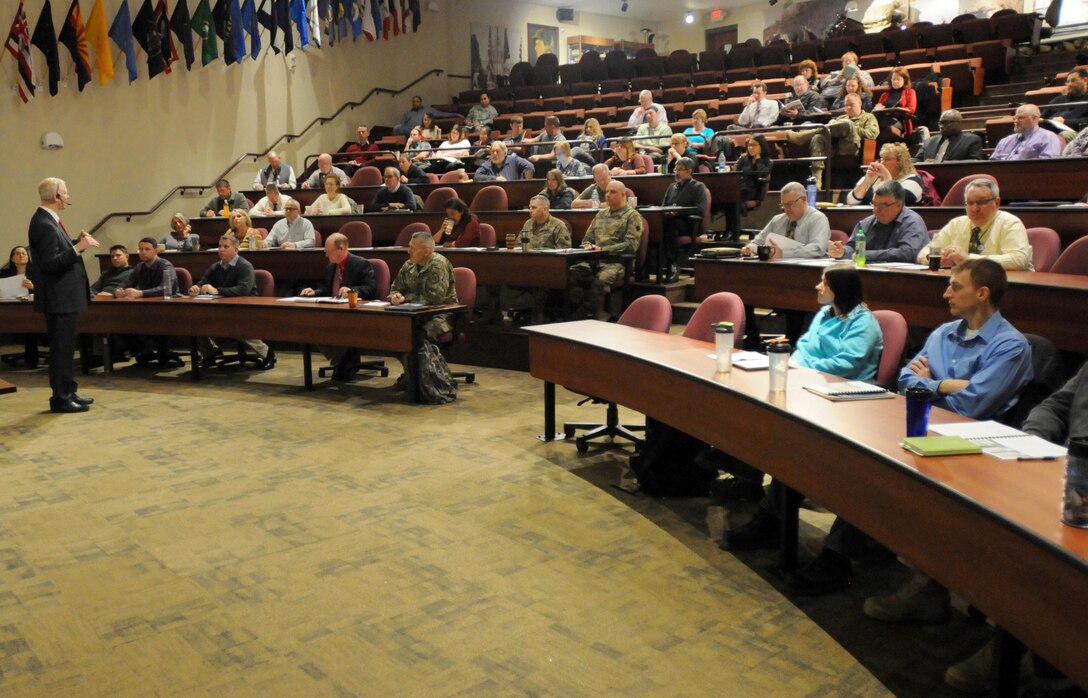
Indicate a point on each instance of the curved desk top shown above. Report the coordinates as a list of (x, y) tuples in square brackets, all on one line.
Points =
[(988, 529)]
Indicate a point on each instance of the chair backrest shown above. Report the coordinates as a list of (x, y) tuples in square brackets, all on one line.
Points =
[(432, 178), (464, 280), (490, 198), (358, 234), (451, 176), (651, 312), (185, 279), (839, 236), (487, 235), (647, 162), (1074, 260), (319, 240), (436, 200), (263, 232), (266, 285), (382, 278), (894, 328), (718, 307), (405, 234), (1048, 376), (957, 191), (1046, 246), (366, 176)]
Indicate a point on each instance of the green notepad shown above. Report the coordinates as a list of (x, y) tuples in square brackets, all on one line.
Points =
[(940, 446)]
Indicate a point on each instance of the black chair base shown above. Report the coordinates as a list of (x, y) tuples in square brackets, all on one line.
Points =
[(377, 365), (611, 429)]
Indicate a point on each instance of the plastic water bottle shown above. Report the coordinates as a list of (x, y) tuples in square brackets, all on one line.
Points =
[(167, 282), (811, 192), (859, 248), (721, 162), (596, 198)]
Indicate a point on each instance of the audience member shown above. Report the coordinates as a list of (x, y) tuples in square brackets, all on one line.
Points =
[(656, 146), (894, 165), (394, 196), (894, 233), (646, 105), (951, 143), (544, 232), (410, 173), (117, 276), (481, 115), (900, 95), (566, 163), (809, 98), (450, 154), (624, 160), (685, 191), (272, 203), (556, 191), (413, 118), (854, 86), (679, 147), (333, 202), (1074, 116), (829, 88), (344, 273), (429, 129), (324, 169), (755, 168), (365, 149), (759, 111), (461, 228), (616, 230), (230, 277), (1029, 141), (224, 201), (810, 71), (847, 133), (799, 222), (148, 280), (601, 177), (986, 231), (292, 231), (417, 148), (19, 265), (181, 236), (546, 139), (503, 167), (517, 131), (481, 148), (276, 171), (241, 229), (699, 135)]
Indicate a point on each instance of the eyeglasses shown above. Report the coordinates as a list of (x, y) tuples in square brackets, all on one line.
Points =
[(884, 207), (788, 204), (890, 159), (979, 203)]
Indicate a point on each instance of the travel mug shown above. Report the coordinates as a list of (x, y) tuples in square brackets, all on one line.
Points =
[(779, 355), (918, 403), (1075, 508), (723, 345)]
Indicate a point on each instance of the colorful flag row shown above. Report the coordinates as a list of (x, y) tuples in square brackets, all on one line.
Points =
[(229, 22)]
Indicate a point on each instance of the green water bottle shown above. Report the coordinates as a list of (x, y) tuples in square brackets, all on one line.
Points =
[(859, 248)]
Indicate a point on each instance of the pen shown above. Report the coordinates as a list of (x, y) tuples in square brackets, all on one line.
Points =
[(1036, 458)]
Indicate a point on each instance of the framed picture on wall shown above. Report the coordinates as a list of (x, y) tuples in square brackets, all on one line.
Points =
[(542, 39)]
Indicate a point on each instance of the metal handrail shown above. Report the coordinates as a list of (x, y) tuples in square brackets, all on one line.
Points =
[(321, 120)]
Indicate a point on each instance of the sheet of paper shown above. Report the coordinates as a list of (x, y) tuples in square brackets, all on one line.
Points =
[(12, 287), (783, 242), (1002, 441), (898, 265)]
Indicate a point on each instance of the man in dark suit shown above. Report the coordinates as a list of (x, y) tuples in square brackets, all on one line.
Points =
[(952, 143), (61, 290), (231, 276), (345, 273)]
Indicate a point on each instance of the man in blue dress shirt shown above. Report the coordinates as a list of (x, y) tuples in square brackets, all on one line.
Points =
[(1029, 142)]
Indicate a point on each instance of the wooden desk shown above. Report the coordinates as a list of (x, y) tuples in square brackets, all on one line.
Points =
[(6, 387), (1070, 222), (976, 524), (1035, 302), (1050, 179), (305, 323), (499, 267), (650, 189)]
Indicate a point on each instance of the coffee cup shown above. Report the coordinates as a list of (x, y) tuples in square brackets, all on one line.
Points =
[(511, 240), (353, 299), (763, 252)]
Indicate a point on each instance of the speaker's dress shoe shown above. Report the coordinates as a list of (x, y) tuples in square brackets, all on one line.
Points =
[(66, 406), (82, 400)]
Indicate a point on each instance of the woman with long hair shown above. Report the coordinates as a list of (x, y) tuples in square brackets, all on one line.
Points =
[(461, 228)]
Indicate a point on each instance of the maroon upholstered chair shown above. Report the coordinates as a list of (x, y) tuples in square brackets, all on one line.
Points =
[(894, 328), (487, 235), (381, 288), (319, 241), (957, 191), (1046, 247), (1074, 260), (405, 234), (185, 280), (464, 280), (490, 198), (436, 200), (432, 178), (840, 236), (451, 176), (719, 307), (365, 177), (358, 234), (653, 313)]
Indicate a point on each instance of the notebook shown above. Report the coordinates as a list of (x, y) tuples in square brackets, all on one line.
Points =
[(1002, 441), (407, 307), (850, 390), (940, 446)]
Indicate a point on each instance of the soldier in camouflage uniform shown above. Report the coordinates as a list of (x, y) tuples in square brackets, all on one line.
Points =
[(617, 229), (426, 278), (545, 232)]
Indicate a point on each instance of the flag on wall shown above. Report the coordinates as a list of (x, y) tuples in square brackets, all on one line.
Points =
[(18, 45), (203, 24), (314, 17), (121, 33), (182, 26), (366, 20), (387, 19), (417, 15), (249, 24), (405, 16), (162, 28), (278, 23), (237, 31), (394, 14), (224, 29), (147, 37), (298, 16), (45, 38), (98, 36), (74, 37)]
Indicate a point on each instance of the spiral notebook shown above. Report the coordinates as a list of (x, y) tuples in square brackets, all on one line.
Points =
[(1002, 441), (849, 390)]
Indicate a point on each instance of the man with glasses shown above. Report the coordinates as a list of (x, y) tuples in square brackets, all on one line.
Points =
[(1029, 142), (394, 196), (759, 112), (292, 232), (951, 143), (986, 231), (894, 233), (847, 132), (685, 191)]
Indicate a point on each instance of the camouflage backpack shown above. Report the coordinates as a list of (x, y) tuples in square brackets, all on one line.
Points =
[(437, 386)]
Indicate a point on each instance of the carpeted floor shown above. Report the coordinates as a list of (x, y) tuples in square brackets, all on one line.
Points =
[(242, 536)]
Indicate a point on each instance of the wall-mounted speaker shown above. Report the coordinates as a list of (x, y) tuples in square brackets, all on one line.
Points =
[(564, 14)]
